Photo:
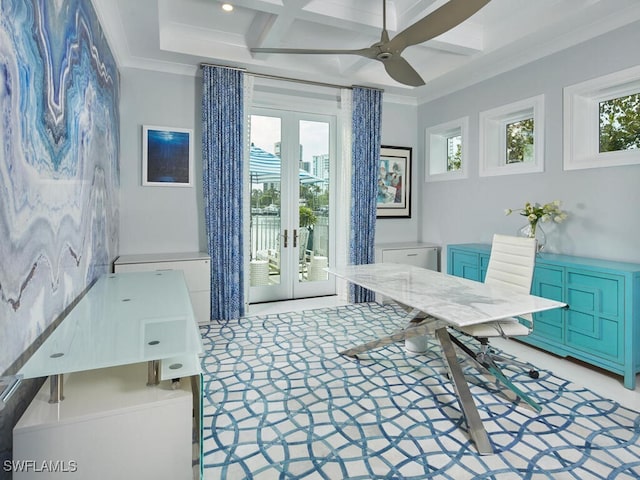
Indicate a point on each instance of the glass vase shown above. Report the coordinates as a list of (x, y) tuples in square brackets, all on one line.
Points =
[(534, 230)]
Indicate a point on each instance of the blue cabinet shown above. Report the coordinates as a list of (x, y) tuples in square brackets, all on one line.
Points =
[(601, 324)]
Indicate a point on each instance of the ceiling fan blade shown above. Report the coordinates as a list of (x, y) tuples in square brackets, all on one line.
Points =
[(436, 23), (364, 52), (400, 70)]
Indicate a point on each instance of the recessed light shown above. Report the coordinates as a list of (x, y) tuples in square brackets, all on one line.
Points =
[(227, 7)]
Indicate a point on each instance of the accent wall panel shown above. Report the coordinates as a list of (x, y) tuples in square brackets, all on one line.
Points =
[(59, 163)]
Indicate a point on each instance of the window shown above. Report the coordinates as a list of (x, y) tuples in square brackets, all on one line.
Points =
[(602, 121), (445, 147), (512, 138), (620, 124), (454, 153), (520, 141)]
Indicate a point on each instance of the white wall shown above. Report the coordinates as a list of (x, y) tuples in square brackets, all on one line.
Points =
[(171, 219), (399, 130), (158, 219), (602, 203)]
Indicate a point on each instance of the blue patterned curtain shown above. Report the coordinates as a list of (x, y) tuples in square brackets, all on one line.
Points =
[(222, 148), (367, 115)]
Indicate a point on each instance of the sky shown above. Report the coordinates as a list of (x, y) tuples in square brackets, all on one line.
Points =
[(314, 136)]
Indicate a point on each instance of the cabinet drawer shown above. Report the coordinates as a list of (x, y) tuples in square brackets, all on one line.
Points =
[(420, 257), (599, 293), (196, 272)]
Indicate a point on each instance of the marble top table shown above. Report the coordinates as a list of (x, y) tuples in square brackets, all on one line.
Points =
[(456, 300), (439, 300)]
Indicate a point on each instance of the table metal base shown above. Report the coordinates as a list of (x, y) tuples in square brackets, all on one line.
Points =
[(420, 325), (469, 410)]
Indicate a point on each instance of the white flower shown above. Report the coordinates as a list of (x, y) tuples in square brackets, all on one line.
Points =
[(536, 212)]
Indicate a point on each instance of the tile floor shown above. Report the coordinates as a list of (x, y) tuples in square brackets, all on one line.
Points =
[(602, 383), (606, 384)]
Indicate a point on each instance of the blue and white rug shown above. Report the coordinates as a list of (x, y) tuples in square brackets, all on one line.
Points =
[(281, 403)]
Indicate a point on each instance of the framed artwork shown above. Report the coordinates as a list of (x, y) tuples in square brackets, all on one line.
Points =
[(167, 156), (394, 183)]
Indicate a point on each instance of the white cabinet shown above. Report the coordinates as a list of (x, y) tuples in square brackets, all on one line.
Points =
[(109, 426), (197, 274), (423, 255)]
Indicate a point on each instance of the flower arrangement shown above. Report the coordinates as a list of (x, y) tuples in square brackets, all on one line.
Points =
[(536, 212)]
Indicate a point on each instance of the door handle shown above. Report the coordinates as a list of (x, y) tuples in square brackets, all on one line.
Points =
[(295, 238), (286, 238)]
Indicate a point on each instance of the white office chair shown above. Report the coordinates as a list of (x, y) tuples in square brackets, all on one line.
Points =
[(511, 265)]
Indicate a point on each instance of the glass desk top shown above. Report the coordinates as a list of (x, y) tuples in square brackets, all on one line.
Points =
[(124, 318)]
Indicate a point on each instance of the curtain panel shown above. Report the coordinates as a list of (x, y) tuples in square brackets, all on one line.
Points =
[(222, 154), (367, 117)]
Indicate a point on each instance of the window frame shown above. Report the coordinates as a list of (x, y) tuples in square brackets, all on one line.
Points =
[(581, 120), (493, 137), (436, 150)]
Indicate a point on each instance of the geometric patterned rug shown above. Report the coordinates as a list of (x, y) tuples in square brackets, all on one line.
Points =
[(281, 403)]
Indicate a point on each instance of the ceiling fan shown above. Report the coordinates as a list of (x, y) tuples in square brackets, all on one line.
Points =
[(389, 52)]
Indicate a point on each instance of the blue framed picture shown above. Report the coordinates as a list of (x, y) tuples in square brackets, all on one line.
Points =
[(167, 156)]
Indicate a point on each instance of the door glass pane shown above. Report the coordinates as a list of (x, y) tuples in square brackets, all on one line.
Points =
[(265, 171), (313, 253)]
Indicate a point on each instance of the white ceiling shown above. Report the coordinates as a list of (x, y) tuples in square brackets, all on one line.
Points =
[(177, 35)]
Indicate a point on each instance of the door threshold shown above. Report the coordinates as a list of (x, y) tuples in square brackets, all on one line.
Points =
[(307, 303)]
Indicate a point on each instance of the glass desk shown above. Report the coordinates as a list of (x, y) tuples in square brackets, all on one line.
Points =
[(126, 325), (123, 319)]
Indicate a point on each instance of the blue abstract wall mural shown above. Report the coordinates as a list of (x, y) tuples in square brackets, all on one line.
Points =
[(59, 163)]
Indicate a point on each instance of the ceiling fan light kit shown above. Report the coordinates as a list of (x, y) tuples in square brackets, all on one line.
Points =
[(389, 51)]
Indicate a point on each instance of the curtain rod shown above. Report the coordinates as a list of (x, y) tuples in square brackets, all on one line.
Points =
[(286, 79)]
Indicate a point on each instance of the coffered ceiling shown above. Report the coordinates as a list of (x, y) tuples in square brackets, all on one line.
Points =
[(177, 35)]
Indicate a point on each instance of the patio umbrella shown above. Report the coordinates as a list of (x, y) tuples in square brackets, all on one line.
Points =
[(265, 168)]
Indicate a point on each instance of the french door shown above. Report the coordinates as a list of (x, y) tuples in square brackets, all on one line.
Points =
[(291, 226)]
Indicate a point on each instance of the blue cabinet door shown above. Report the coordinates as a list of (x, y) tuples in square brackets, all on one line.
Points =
[(484, 263), (595, 318), (548, 282), (464, 264)]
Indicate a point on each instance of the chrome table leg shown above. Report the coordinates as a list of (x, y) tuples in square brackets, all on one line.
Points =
[(55, 388), (153, 373), (469, 410)]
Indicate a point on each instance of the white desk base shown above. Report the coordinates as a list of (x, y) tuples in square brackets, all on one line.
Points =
[(110, 426)]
